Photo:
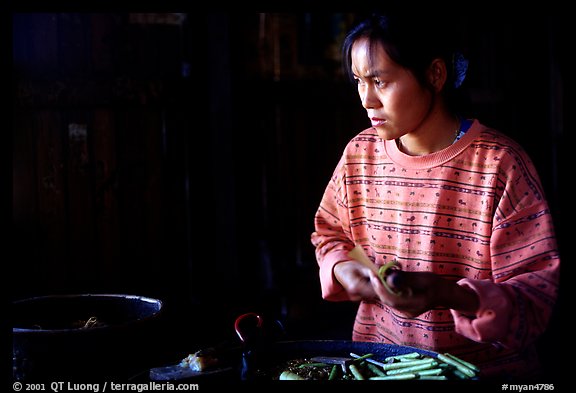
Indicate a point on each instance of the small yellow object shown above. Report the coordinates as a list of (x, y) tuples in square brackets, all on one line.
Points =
[(358, 254), (383, 272)]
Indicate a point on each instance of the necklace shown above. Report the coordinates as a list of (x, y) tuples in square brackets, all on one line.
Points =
[(459, 132), (457, 135)]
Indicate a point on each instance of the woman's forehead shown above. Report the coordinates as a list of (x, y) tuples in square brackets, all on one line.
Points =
[(369, 57), (366, 46)]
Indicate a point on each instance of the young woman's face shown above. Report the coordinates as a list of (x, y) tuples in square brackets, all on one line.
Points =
[(395, 102)]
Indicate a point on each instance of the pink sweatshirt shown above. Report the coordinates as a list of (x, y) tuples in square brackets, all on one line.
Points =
[(474, 212)]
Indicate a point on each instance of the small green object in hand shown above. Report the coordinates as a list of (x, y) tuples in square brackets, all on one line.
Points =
[(383, 272)]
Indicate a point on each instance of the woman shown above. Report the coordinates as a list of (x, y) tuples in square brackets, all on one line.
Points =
[(457, 204)]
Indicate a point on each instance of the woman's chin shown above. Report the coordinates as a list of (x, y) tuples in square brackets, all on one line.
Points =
[(384, 133)]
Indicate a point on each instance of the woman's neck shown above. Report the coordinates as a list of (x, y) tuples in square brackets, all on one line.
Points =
[(437, 133)]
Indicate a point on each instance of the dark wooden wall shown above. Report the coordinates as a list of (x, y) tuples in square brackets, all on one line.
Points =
[(182, 156), (98, 168)]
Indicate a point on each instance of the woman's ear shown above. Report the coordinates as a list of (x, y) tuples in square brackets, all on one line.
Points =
[(437, 74)]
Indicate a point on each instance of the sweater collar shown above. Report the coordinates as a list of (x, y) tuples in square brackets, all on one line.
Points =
[(434, 159)]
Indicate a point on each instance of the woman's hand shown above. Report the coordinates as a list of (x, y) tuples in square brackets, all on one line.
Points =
[(423, 291), (355, 278), (420, 291)]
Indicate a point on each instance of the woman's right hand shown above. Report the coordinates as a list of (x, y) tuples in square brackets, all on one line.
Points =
[(355, 278)]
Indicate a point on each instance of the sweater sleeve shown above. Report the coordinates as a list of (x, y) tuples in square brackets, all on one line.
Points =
[(331, 237), (517, 302), (505, 316), (494, 315)]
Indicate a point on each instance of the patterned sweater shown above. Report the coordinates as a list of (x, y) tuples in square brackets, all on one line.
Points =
[(473, 212)]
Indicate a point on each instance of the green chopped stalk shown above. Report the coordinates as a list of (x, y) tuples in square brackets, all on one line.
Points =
[(412, 369), (333, 372), (304, 365), (431, 371), (471, 366), (433, 377), (411, 355), (463, 368), (395, 377), (459, 374), (360, 358), (375, 370), (408, 363), (355, 372)]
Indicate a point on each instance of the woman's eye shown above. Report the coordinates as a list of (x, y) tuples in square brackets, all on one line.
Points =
[(379, 83)]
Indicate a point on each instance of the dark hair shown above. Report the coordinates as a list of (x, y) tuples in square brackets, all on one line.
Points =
[(413, 42)]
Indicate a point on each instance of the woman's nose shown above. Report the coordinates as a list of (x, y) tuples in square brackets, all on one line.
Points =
[(369, 98)]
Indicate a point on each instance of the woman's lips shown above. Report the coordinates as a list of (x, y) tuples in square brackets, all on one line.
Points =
[(377, 122)]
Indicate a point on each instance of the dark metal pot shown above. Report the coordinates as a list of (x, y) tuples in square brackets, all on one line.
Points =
[(265, 359), (81, 336), (264, 353)]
